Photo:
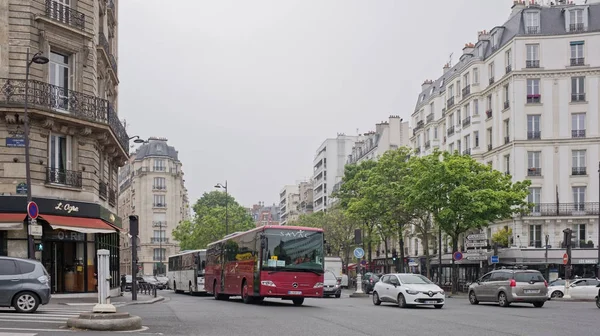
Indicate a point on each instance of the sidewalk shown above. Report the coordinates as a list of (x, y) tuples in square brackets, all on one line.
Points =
[(118, 301)]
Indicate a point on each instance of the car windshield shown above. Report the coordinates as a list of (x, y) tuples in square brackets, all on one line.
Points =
[(414, 279), (557, 282), (293, 250), (529, 277), (330, 276)]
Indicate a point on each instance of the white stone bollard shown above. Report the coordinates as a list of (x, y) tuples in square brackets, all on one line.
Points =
[(359, 284), (104, 305)]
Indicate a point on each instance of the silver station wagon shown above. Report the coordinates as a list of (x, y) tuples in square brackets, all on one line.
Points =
[(507, 286)]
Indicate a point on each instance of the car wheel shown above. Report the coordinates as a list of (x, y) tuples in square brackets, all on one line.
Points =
[(557, 294), (401, 301), (472, 298), (245, 296), (337, 296), (538, 304), (376, 300), (598, 301), (298, 301), (26, 302), (503, 300), (438, 306)]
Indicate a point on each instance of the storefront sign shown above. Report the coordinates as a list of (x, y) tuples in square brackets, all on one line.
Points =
[(65, 236), (68, 208), (587, 261)]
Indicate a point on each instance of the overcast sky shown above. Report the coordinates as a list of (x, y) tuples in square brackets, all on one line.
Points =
[(247, 90)]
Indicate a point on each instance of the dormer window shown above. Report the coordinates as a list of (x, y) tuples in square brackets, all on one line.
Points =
[(495, 41), (422, 97), (576, 22), (532, 22), (432, 88), (443, 81)]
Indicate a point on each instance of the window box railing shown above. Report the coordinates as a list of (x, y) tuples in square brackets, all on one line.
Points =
[(450, 102), (467, 151), (576, 27), (577, 97), (578, 133), (506, 140), (491, 81), (430, 117), (466, 91), (58, 99), (577, 61), (103, 190), (532, 30), (578, 171), (103, 42), (534, 98), (490, 147), (488, 113), (64, 14), (565, 209), (156, 240), (159, 205), (508, 68), (112, 197), (532, 63), (427, 144), (534, 171), (466, 122), (450, 130), (159, 187), (64, 177), (506, 104), (534, 135), (159, 224)]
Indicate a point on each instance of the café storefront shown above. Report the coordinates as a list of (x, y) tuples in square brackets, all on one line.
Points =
[(72, 233)]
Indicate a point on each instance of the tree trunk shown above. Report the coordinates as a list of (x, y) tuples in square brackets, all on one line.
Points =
[(427, 261), (401, 240), (440, 256), (454, 266), (385, 246)]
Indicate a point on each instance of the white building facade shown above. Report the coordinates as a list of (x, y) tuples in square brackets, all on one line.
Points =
[(524, 99), (289, 199), (388, 135), (328, 168)]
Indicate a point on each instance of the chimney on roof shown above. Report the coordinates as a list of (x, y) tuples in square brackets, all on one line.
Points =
[(469, 48), (483, 35), (446, 67), (426, 84), (518, 6)]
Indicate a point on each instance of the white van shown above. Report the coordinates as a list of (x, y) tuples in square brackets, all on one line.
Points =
[(336, 265)]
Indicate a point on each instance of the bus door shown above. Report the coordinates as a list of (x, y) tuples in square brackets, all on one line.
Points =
[(222, 256), (200, 266)]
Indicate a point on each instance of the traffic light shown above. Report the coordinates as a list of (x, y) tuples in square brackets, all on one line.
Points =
[(394, 254), (39, 247), (357, 237), (134, 225), (567, 237)]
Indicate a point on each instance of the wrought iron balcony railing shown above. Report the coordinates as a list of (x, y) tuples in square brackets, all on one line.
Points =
[(103, 190), (565, 209), (534, 135), (577, 61), (64, 14), (103, 42), (578, 133), (159, 224), (577, 97), (61, 100), (578, 170), (156, 240), (64, 177), (112, 197), (466, 122), (532, 63)]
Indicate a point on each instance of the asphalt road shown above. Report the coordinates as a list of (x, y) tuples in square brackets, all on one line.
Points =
[(203, 316)]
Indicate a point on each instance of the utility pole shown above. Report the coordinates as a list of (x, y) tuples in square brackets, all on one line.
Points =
[(567, 238), (598, 229), (219, 185), (134, 231), (546, 258)]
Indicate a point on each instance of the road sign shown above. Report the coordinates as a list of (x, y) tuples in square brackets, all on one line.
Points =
[(457, 256), (478, 236), (36, 230), (476, 257), (476, 244), (32, 210), (494, 259), (21, 188), (565, 259), (359, 252)]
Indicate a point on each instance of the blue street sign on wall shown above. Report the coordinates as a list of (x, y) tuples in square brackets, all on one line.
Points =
[(494, 259)]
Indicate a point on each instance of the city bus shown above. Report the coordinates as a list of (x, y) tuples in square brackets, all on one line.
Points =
[(267, 262), (186, 271)]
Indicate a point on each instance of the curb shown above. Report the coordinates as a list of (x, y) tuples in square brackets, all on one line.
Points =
[(155, 300), (457, 297), (572, 300)]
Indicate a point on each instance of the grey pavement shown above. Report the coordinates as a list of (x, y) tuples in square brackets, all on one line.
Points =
[(118, 301), (182, 314)]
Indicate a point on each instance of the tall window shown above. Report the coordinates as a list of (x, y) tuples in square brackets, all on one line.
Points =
[(580, 232), (535, 235), (578, 162), (476, 136), (159, 254), (506, 130), (59, 78), (508, 60), (160, 183), (579, 198), (491, 71), (533, 127), (507, 163), (576, 20), (533, 91), (577, 57), (160, 165), (532, 22), (534, 164), (535, 197), (60, 159), (435, 132), (159, 201), (533, 54), (475, 75), (578, 125), (475, 107), (577, 89), (506, 97), (489, 138)]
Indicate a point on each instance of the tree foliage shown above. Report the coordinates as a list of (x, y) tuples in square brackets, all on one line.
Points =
[(208, 224), (502, 237)]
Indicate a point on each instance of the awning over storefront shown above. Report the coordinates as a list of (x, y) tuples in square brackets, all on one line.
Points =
[(79, 224), (11, 221)]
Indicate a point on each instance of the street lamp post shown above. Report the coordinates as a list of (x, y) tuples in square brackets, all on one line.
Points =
[(37, 58), (598, 241), (219, 185)]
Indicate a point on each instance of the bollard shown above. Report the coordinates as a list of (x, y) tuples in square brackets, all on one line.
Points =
[(104, 305)]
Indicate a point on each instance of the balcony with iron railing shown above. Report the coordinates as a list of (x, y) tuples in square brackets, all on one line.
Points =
[(467, 151), (159, 187), (427, 144), (450, 130), (577, 61), (577, 97), (466, 122), (532, 63), (112, 197), (159, 224), (534, 135), (490, 147), (105, 46), (579, 171), (565, 209), (450, 102), (466, 91), (430, 117), (536, 171), (63, 177), (65, 102), (488, 114), (578, 133), (60, 12), (103, 190), (506, 140), (157, 240), (159, 205), (576, 27), (508, 68), (534, 98), (506, 104), (491, 80)]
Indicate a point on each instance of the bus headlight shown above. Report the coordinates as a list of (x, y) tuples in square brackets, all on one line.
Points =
[(318, 285), (268, 283)]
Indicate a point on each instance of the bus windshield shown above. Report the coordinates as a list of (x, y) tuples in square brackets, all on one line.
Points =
[(292, 250)]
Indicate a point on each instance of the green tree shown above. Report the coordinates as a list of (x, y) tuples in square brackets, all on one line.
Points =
[(208, 224), (502, 237), (474, 195)]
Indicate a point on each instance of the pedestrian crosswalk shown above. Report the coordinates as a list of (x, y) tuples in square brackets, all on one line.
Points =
[(45, 319)]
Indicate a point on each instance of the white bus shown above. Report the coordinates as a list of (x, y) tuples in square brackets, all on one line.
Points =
[(186, 271)]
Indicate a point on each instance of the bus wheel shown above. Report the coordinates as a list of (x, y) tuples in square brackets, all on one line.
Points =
[(215, 292), (191, 290), (245, 296), (298, 301)]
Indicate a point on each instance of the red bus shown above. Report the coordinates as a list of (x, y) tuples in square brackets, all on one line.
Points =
[(270, 261)]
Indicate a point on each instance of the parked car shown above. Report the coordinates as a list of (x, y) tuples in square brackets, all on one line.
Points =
[(507, 286), (24, 284), (578, 288), (407, 289), (331, 285), (368, 282)]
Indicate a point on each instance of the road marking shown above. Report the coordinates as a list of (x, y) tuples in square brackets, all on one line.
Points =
[(38, 330), (17, 334)]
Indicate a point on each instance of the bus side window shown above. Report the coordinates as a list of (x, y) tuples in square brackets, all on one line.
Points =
[(203, 265)]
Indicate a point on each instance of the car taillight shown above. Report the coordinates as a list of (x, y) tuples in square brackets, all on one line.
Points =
[(43, 279), (513, 283), (545, 283), (371, 280)]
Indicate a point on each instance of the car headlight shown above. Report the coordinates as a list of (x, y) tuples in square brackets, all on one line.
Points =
[(411, 291), (318, 285), (442, 292), (268, 283)]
